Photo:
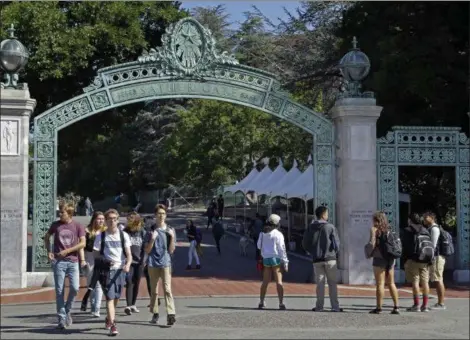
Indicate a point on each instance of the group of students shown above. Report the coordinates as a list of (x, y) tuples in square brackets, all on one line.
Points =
[(112, 258), (424, 250)]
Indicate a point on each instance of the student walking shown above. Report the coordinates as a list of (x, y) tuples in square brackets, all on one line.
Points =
[(137, 235), (69, 238), (94, 290), (194, 238), (159, 246), (113, 257)]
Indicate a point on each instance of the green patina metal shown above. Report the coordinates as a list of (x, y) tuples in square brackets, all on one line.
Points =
[(186, 66), (426, 146)]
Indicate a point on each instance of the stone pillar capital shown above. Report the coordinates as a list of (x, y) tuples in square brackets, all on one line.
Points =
[(17, 102), (356, 108)]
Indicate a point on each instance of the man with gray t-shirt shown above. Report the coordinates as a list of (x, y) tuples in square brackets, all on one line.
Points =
[(322, 242)]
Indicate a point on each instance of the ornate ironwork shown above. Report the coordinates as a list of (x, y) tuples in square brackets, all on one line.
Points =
[(426, 146), (186, 66)]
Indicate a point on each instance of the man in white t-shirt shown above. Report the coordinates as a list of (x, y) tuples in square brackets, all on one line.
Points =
[(436, 269), (118, 251)]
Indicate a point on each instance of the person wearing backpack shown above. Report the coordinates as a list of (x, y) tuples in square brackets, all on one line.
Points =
[(159, 246), (383, 263), (417, 255), (442, 241), (94, 290), (322, 242), (113, 256), (136, 234)]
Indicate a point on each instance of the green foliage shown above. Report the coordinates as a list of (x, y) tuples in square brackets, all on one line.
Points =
[(215, 142), (419, 56)]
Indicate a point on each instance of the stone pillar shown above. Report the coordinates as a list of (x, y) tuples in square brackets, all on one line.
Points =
[(16, 108), (356, 182)]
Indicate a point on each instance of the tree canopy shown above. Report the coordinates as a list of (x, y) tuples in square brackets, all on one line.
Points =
[(418, 52)]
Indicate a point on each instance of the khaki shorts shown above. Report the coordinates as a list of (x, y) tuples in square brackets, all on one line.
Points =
[(436, 269), (416, 272)]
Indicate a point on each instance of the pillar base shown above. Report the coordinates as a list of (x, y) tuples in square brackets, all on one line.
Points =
[(356, 277), (461, 276), (13, 281)]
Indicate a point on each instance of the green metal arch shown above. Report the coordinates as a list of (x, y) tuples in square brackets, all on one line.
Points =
[(186, 66)]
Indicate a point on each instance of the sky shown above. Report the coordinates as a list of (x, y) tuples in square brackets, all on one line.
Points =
[(271, 9)]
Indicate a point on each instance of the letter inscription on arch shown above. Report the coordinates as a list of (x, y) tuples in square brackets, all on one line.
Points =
[(163, 74)]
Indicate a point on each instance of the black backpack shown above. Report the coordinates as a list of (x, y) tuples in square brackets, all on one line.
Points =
[(391, 247), (445, 245), (423, 250)]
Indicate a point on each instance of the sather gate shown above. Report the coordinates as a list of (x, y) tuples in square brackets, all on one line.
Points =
[(427, 146), (186, 66)]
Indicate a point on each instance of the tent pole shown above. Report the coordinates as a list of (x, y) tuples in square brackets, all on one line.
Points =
[(288, 222), (306, 213)]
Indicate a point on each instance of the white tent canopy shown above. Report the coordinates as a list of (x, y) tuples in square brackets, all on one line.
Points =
[(279, 188), (302, 187), (234, 188), (265, 173), (249, 185), (264, 187)]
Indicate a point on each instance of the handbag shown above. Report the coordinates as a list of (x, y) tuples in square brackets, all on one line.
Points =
[(259, 263)]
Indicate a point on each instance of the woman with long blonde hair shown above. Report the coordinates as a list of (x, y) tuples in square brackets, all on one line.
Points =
[(94, 228), (135, 230), (383, 267)]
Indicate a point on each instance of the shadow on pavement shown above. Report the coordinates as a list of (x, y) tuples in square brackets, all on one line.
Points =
[(46, 330), (346, 309)]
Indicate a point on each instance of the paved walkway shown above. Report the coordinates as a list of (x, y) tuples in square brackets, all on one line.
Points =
[(236, 318), (218, 302)]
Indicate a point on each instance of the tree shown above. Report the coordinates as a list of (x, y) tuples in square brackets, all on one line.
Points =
[(215, 141), (68, 43), (419, 57), (216, 19)]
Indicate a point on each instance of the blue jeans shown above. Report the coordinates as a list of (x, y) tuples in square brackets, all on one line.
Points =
[(61, 270)]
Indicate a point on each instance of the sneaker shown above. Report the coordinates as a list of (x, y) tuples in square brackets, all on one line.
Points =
[(424, 309), (395, 311), (375, 311), (414, 308), (135, 310), (171, 320), (83, 307), (107, 323), (438, 306), (61, 325), (188, 267), (261, 305), (127, 310), (282, 306), (198, 266), (68, 320), (154, 319), (315, 309), (95, 314), (113, 330), (337, 310)]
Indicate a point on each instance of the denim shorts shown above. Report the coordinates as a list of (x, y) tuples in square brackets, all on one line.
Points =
[(115, 282), (271, 262)]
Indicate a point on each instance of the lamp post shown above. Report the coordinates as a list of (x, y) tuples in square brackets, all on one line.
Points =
[(354, 67), (13, 58)]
